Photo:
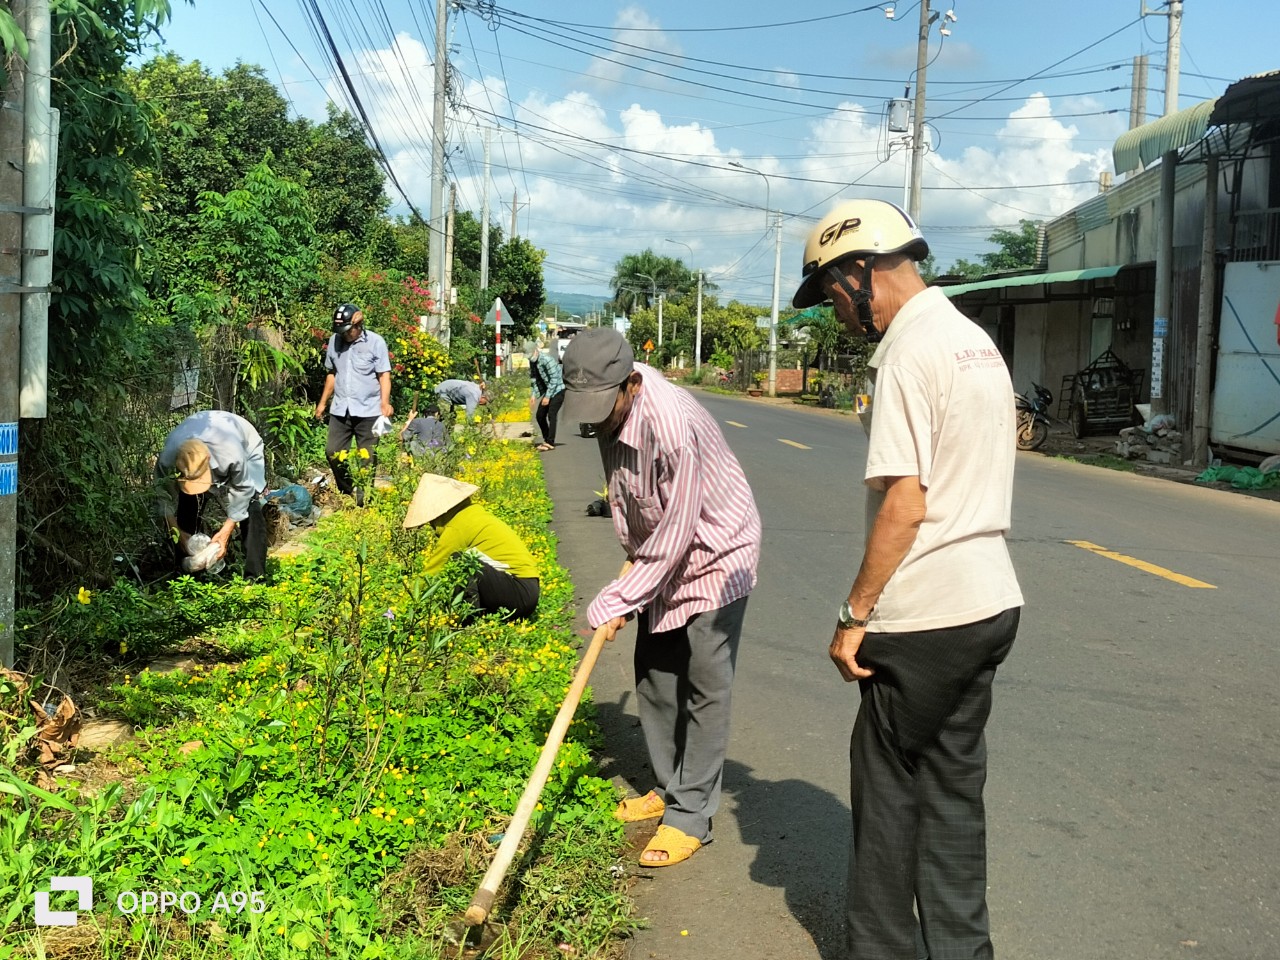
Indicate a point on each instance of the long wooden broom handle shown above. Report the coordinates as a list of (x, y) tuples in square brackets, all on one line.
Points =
[(482, 902)]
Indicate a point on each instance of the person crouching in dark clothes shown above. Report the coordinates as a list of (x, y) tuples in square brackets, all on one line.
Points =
[(507, 580)]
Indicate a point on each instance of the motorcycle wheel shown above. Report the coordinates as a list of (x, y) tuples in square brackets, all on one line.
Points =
[(1039, 434), (1031, 432)]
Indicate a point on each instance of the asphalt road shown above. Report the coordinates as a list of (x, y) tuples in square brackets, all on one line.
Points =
[(1135, 742)]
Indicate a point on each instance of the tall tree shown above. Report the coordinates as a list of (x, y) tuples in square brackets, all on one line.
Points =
[(104, 140), (1016, 250), (638, 276), (346, 185)]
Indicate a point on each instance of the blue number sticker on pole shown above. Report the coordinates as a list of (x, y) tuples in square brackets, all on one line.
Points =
[(8, 478), (8, 439)]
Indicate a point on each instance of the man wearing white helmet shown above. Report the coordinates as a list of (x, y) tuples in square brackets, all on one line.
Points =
[(935, 604)]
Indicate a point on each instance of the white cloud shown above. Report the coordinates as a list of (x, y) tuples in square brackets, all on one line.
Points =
[(602, 181)]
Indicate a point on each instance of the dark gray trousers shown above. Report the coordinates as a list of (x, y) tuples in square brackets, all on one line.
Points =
[(918, 760), (683, 682)]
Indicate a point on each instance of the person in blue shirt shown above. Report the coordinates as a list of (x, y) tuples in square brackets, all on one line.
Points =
[(462, 393), (548, 393), (359, 383), (219, 453)]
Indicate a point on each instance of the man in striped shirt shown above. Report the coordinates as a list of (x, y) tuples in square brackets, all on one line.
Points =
[(686, 517)]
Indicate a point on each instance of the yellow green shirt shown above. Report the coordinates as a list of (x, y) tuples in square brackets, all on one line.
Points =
[(475, 528)]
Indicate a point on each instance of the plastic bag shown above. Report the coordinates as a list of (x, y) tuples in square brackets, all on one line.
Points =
[(381, 426), (204, 555)]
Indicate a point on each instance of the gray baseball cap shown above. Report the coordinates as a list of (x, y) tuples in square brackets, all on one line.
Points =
[(596, 362)]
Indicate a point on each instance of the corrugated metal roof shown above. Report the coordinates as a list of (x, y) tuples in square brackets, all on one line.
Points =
[(1027, 279), (1145, 144)]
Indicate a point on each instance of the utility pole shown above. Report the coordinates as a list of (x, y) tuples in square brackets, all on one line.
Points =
[(484, 217), (917, 121), (445, 332), (1173, 51), (1165, 214), (1174, 65), (773, 316), (513, 215), (697, 344), (1138, 92), (660, 298), (11, 207), (1200, 411), (436, 233)]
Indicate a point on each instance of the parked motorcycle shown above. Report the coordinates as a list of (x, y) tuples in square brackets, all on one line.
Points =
[(1033, 417)]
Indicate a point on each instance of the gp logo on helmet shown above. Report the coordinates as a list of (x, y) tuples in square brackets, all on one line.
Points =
[(838, 230)]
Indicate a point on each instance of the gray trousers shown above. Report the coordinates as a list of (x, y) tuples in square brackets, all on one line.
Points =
[(684, 678), (919, 762)]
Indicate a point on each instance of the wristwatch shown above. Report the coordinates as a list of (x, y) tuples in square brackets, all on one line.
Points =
[(847, 619)]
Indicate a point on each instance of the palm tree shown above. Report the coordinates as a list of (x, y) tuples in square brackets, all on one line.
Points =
[(638, 276)]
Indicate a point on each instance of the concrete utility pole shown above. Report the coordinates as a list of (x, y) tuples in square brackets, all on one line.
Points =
[(697, 344), (917, 120), (1138, 92), (445, 333), (1174, 65), (436, 233), (1173, 51), (484, 217), (773, 315), (1200, 412), (11, 208), (513, 215), (41, 153)]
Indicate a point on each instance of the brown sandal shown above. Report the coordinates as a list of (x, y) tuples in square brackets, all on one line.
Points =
[(636, 809), (676, 844)]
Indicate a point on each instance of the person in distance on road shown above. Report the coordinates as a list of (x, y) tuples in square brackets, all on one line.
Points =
[(687, 520), (934, 607), (548, 392)]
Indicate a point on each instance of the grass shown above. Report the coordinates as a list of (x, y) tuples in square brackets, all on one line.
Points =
[(346, 747)]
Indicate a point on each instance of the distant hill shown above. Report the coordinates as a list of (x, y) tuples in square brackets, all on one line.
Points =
[(581, 304)]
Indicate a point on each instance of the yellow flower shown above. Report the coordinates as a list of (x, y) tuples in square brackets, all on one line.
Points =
[(186, 861), (84, 596), (364, 454)]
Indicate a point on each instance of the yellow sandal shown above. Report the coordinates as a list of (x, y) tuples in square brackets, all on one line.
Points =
[(677, 845), (635, 809)]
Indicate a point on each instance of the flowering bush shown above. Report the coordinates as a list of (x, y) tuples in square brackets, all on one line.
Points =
[(345, 726)]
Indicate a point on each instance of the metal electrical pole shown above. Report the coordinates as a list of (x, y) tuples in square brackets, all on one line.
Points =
[(437, 231), (917, 121), (445, 335), (11, 208)]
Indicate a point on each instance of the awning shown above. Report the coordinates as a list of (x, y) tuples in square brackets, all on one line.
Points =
[(1146, 144), (1251, 100), (1028, 279)]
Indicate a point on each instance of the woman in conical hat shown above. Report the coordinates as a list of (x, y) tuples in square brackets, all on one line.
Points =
[(508, 577)]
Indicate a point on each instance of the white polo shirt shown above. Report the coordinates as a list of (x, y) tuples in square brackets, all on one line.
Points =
[(943, 410)]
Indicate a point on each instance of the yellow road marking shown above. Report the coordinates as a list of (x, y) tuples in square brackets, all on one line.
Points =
[(792, 443), (1143, 565), (735, 423)]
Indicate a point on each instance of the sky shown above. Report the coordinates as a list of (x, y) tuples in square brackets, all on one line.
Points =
[(614, 124)]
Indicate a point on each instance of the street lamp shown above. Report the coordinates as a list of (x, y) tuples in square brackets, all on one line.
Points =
[(654, 283), (777, 278), (697, 344)]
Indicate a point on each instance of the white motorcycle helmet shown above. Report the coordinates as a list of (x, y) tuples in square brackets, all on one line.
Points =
[(855, 230)]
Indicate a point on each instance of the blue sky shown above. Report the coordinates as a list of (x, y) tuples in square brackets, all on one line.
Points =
[(615, 123)]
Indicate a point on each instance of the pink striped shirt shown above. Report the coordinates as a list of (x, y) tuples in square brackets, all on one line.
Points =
[(682, 510)]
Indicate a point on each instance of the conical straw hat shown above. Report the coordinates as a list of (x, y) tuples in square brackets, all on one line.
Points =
[(436, 495)]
